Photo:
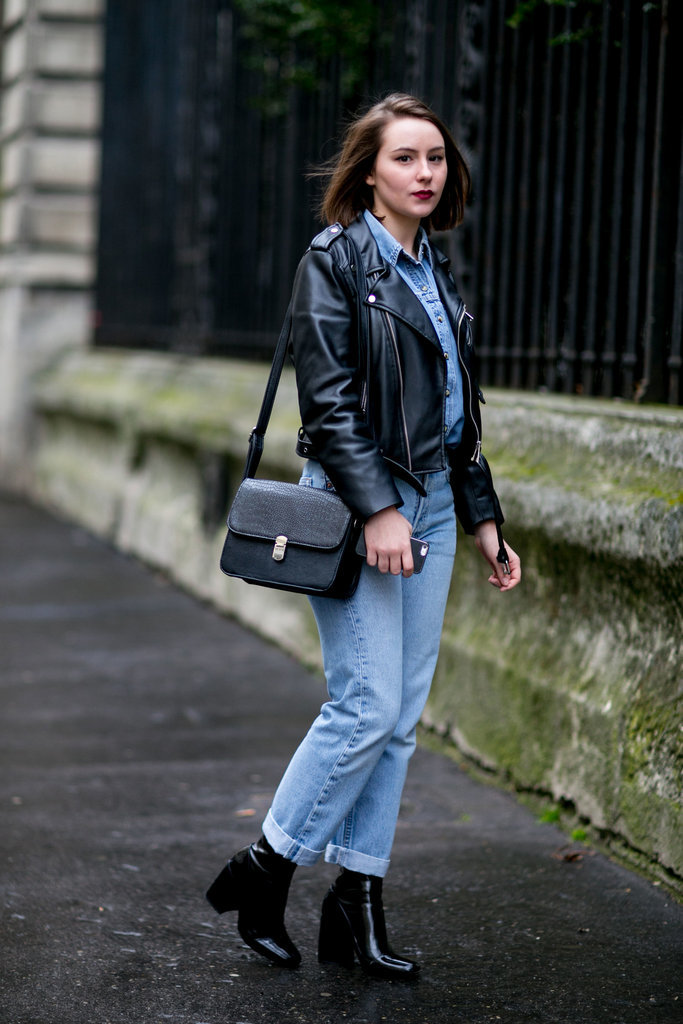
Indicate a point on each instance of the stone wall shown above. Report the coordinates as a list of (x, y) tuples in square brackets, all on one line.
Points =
[(571, 686), (49, 154)]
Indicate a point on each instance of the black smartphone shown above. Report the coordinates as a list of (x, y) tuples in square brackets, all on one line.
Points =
[(420, 550)]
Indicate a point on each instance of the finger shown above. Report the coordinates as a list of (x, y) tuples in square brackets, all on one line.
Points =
[(395, 565), (512, 583), (499, 574)]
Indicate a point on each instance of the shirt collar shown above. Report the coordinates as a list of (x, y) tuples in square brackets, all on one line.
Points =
[(391, 250)]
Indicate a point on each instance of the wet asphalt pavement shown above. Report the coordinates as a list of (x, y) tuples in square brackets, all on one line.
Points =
[(141, 737)]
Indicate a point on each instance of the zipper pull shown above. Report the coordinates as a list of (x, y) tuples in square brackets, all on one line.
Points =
[(477, 453), (468, 314)]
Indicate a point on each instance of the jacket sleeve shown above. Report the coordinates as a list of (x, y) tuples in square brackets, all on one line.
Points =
[(324, 349), (474, 495)]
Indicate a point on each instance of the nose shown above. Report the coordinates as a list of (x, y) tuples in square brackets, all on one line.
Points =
[(424, 170)]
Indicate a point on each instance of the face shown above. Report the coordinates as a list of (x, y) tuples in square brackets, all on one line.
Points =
[(410, 172)]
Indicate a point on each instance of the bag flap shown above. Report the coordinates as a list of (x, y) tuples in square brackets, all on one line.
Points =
[(306, 516)]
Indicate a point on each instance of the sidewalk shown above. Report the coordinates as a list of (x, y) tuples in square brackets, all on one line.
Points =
[(141, 736)]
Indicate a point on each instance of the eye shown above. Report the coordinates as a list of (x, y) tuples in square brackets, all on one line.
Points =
[(403, 158), (438, 158)]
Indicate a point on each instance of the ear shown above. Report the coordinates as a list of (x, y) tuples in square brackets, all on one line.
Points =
[(370, 178)]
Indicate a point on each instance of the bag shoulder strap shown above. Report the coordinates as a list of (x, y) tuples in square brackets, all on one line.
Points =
[(257, 436)]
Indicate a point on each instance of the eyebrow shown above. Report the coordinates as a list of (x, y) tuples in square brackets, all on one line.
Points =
[(409, 149)]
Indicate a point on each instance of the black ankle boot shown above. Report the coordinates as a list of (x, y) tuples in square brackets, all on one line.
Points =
[(255, 882), (352, 924)]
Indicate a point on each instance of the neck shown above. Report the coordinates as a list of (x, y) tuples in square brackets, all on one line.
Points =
[(403, 229)]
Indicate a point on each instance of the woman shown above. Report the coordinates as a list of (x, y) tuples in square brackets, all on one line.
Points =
[(391, 423)]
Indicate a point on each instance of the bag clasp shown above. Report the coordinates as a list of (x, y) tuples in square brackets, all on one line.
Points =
[(279, 548)]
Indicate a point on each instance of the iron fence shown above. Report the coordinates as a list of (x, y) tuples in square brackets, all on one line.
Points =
[(571, 251)]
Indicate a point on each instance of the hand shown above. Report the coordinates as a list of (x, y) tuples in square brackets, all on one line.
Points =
[(387, 542), (486, 539)]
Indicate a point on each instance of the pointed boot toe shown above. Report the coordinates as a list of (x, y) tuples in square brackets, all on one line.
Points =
[(272, 943), (256, 882), (352, 926)]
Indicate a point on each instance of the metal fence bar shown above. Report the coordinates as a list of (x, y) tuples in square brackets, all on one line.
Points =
[(616, 140), (654, 362), (592, 359), (675, 391), (629, 356), (575, 320), (506, 226), (518, 336), (536, 266), (553, 368), (490, 185)]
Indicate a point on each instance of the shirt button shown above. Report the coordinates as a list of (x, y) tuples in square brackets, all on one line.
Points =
[(445, 355), (447, 392), (445, 430), (440, 319), (424, 287)]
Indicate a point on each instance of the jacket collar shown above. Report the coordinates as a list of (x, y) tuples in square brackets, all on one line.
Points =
[(391, 250), (386, 288), (453, 304)]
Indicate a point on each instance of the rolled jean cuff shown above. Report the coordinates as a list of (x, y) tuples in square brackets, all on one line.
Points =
[(355, 861), (286, 846)]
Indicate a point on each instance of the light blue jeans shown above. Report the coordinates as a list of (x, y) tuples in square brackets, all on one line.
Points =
[(341, 792)]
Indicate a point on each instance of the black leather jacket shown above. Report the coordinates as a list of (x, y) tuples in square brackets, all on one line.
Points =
[(407, 379)]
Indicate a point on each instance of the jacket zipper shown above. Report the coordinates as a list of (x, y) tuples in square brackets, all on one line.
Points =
[(477, 447), (392, 335)]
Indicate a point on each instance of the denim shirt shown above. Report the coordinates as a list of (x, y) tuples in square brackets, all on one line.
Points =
[(418, 274)]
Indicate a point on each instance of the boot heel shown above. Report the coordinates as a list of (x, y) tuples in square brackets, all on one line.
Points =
[(335, 941), (222, 893)]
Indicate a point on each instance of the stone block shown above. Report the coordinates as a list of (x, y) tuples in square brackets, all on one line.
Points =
[(70, 8), (66, 49), (58, 108), (44, 269), (66, 222), (14, 109), (58, 164), (65, 107), (13, 11), (15, 52), (11, 221), (36, 326), (14, 168), (64, 163)]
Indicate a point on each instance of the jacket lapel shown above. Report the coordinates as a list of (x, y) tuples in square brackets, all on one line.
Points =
[(390, 292)]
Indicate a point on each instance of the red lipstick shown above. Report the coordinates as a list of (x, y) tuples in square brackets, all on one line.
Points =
[(423, 194)]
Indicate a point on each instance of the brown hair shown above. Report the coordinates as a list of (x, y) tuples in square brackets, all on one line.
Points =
[(347, 193)]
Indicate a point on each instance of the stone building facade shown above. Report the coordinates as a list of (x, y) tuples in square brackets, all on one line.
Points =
[(51, 67)]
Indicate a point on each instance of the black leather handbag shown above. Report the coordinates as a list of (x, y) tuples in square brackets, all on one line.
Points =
[(284, 535)]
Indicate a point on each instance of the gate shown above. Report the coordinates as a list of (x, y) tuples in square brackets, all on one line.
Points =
[(571, 251)]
